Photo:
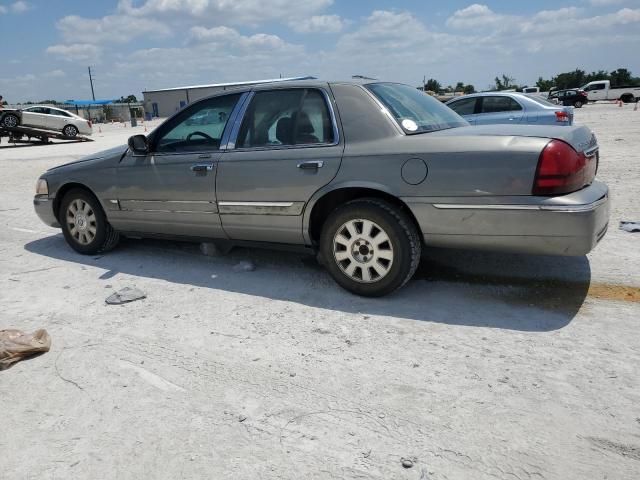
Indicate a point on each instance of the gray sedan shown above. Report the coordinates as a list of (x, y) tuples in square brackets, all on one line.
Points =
[(364, 174), (510, 107)]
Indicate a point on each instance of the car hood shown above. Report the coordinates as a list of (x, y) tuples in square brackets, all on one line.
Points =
[(579, 137), (104, 155)]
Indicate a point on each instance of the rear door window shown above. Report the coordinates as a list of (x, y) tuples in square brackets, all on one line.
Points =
[(285, 118), (499, 104), (466, 106)]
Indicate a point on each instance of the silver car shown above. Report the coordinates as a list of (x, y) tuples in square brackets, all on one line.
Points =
[(48, 118), (510, 107), (364, 174)]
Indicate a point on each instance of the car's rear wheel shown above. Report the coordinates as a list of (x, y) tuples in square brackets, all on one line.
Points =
[(370, 247), (84, 224), (577, 104), (70, 131), (10, 120)]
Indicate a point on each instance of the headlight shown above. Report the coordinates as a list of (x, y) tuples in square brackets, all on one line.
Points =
[(42, 188)]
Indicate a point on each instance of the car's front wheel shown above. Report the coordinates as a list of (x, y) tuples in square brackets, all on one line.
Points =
[(70, 131), (577, 104), (370, 247), (10, 120), (84, 224)]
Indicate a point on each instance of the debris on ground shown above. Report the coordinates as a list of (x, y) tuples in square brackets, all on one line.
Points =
[(125, 295), (16, 345), (630, 226), (242, 418), (209, 249), (244, 266), (407, 463)]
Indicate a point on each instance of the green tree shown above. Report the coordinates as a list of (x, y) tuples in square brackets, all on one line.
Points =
[(505, 83), (459, 87), (129, 99), (544, 85), (621, 76), (573, 79), (432, 85), (469, 89)]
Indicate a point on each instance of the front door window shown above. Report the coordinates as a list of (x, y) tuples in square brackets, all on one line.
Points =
[(198, 128)]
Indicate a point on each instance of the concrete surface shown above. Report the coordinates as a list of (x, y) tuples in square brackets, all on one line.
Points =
[(486, 366)]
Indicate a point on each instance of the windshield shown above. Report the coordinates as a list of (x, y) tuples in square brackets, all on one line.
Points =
[(414, 110)]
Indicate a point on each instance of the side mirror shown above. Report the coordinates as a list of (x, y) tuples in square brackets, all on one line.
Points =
[(138, 144)]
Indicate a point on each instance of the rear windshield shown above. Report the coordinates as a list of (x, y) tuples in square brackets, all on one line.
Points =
[(414, 110), (542, 100)]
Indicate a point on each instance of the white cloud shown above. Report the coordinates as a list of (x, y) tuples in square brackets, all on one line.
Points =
[(16, 7), (319, 24), (229, 38), (76, 52), (18, 80), (109, 29), (605, 3), (247, 12), (20, 6), (55, 74)]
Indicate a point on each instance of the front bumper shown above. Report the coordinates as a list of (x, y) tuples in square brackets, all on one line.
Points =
[(567, 225), (43, 206)]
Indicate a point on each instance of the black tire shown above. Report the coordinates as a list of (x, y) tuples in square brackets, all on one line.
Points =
[(10, 120), (577, 104), (404, 246), (70, 131), (628, 98), (104, 237)]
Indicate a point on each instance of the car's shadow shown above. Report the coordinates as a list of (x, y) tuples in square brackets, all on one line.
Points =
[(455, 287)]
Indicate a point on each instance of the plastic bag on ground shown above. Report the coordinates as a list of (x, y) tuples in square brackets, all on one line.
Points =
[(16, 345)]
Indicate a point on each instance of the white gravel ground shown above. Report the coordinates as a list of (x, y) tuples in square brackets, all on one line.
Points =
[(486, 366)]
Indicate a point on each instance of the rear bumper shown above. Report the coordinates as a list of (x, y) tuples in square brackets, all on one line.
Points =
[(43, 206), (568, 225)]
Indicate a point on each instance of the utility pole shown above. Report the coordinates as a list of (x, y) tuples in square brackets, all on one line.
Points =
[(93, 95)]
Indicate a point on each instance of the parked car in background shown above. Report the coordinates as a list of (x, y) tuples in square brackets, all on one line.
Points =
[(48, 118), (574, 97), (510, 107), (365, 174), (602, 90), (531, 90)]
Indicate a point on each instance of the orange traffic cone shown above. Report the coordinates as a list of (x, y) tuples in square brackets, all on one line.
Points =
[(635, 109), (145, 128)]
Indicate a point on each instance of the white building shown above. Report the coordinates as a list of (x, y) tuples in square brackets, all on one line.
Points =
[(167, 101)]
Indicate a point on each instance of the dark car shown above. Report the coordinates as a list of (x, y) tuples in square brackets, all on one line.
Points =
[(367, 174), (574, 97)]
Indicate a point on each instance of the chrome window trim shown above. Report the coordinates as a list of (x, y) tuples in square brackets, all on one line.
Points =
[(332, 114), (225, 133)]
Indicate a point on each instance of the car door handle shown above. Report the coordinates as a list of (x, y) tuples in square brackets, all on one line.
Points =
[(311, 165), (202, 167)]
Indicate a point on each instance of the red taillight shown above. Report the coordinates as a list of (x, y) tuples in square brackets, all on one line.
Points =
[(584, 94), (562, 116), (563, 170)]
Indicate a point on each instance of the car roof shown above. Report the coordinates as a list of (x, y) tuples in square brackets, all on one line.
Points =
[(314, 83)]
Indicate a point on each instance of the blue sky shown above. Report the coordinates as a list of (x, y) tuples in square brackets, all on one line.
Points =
[(133, 45)]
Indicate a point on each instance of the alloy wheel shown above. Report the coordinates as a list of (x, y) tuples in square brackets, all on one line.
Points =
[(363, 250), (82, 222)]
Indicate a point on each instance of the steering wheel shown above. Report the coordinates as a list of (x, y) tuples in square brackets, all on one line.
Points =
[(202, 134)]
